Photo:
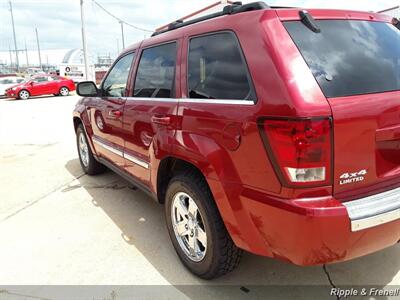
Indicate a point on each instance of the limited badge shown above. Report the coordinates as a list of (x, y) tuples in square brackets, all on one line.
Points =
[(347, 178)]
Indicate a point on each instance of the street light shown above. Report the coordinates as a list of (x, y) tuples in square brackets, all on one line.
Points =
[(85, 58)]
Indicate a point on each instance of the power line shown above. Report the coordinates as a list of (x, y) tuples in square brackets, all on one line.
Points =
[(120, 20)]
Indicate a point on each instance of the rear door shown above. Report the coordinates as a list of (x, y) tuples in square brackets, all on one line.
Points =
[(106, 112), (52, 85), (149, 114), (357, 65)]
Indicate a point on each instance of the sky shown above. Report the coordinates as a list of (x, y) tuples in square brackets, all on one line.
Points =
[(58, 21)]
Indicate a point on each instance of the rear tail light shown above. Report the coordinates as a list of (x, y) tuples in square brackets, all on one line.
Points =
[(301, 150)]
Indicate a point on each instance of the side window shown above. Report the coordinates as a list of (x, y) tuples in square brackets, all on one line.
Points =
[(156, 72), (40, 79), (115, 83), (216, 68)]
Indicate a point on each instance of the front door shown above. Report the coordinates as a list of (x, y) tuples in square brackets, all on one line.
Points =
[(40, 86), (106, 112), (149, 116)]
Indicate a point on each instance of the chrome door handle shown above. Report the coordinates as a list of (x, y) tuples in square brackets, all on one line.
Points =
[(161, 120)]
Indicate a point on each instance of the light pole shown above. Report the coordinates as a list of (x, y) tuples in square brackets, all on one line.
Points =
[(122, 32), (11, 62), (38, 47), (85, 58), (15, 38), (26, 53)]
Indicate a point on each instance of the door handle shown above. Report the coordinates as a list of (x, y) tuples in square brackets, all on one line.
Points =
[(115, 114), (161, 120)]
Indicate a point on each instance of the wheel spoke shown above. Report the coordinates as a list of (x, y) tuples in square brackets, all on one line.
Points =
[(192, 245), (182, 210), (202, 237), (192, 208), (181, 228)]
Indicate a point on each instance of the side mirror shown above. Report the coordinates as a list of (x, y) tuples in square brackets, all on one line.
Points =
[(31, 83), (87, 89)]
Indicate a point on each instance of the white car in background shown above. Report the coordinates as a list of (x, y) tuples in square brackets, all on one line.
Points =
[(7, 82)]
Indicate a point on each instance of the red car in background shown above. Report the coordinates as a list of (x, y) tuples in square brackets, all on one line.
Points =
[(41, 85)]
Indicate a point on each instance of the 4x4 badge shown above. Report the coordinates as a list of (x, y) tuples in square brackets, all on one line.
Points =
[(347, 178)]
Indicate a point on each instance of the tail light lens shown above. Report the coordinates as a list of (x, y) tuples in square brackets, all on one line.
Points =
[(300, 149)]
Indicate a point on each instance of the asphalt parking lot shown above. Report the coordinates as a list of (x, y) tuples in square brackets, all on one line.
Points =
[(61, 227)]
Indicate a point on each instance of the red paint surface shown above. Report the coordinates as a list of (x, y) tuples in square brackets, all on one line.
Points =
[(303, 225)]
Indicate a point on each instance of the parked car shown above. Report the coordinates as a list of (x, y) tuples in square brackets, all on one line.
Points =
[(270, 130), (41, 85), (34, 71), (7, 82)]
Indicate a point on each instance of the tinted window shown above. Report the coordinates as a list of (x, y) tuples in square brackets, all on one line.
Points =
[(216, 68), (115, 83), (351, 57), (40, 79), (156, 72)]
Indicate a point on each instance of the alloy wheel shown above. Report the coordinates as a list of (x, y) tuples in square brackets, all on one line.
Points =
[(83, 150), (23, 95), (64, 91), (189, 227)]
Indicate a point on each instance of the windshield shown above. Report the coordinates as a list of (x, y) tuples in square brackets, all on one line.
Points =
[(350, 57)]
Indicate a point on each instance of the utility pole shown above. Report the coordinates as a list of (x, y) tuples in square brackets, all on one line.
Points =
[(84, 41), (38, 47), (15, 38), (122, 32), (26, 52), (11, 62)]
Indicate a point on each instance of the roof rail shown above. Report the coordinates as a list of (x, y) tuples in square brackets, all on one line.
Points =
[(234, 8)]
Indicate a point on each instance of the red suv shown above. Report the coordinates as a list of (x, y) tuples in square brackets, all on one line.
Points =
[(272, 130)]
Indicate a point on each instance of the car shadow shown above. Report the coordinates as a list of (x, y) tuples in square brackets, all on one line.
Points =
[(38, 97), (141, 222)]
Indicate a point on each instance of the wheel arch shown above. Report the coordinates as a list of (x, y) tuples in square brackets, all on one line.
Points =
[(77, 120), (167, 169)]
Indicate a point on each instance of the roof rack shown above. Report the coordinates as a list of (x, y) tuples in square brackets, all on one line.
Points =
[(234, 8)]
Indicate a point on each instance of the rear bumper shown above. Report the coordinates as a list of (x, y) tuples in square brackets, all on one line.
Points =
[(318, 231), (374, 210)]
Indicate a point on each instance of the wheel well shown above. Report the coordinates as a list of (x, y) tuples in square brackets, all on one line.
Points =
[(168, 168), (77, 122)]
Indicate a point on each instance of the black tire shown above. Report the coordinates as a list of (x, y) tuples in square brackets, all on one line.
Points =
[(93, 167), (21, 94), (222, 256)]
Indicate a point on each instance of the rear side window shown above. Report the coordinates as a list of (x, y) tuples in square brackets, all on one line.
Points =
[(350, 57), (217, 69), (115, 83), (156, 72)]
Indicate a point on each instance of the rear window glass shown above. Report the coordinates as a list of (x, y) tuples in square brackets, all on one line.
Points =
[(156, 72), (350, 57), (216, 68)]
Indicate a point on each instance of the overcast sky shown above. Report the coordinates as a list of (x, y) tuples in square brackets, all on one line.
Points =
[(58, 21)]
